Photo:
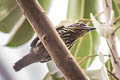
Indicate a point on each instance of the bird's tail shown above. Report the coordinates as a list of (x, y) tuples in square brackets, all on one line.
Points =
[(25, 61)]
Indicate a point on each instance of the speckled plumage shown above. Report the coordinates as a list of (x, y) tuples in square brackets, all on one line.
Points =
[(38, 53)]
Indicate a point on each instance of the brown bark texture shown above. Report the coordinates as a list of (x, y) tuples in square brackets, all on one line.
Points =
[(51, 40)]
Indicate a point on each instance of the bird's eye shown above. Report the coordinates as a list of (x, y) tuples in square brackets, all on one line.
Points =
[(82, 24)]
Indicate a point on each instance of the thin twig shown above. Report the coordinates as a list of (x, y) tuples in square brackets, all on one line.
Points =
[(116, 29), (113, 75), (114, 55), (116, 20), (97, 15), (89, 20), (87, 57)]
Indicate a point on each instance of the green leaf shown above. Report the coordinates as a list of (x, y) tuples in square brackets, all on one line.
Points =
[(83, 49), (92, 6), (116, 7), (24, 31), (95, 44), (6, 6), (7, 24), (21, 35), (109, 65), (45, 4), (75, 9), (52, 77), (80, 9), (110, 68)]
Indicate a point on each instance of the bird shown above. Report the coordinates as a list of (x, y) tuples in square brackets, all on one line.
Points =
[(38, 53)]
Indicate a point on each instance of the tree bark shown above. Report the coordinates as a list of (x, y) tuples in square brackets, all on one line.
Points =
[(51, 40)]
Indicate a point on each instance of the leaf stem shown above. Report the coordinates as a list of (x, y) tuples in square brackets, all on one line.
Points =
[(89, 20), (115, 30), (97, 15), (116, 20), (112, 74), (87, 57)]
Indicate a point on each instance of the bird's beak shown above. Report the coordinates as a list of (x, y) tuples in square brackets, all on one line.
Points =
[(88, 28)]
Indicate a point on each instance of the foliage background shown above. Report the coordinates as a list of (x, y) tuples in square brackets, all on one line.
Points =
[(57, 13)]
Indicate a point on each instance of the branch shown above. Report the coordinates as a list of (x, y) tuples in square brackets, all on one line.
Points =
[(111, 38), (112, 75), (50, 39), (114, 55)]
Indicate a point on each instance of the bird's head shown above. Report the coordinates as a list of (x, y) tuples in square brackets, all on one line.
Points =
[(80, 29)]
